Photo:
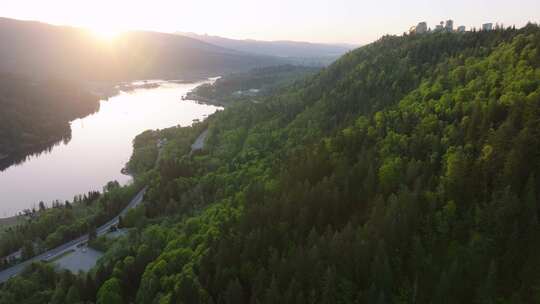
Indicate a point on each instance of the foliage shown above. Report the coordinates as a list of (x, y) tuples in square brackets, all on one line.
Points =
[(406, 172), (236, 87)]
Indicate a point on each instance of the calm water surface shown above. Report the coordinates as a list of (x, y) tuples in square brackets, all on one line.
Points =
[(100, 146)]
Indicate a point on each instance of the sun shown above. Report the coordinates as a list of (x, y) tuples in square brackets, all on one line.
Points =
[(107, 34)]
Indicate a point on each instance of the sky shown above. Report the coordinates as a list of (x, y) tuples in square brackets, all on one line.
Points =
[(330, 21)]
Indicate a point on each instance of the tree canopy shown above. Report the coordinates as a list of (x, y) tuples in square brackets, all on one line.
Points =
[(406, 172)]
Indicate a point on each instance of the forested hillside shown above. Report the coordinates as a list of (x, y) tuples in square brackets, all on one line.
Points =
[(294, 52), (250, 85), (406, 172), (35, 114), (43, 50)]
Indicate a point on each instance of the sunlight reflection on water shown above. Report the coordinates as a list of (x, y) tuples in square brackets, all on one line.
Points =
[(100, 146)]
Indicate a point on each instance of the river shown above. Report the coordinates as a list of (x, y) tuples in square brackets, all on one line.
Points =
[(100, 146)]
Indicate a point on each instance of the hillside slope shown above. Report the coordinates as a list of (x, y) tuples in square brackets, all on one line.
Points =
[(35, 55), (36, 114), (406, 172), (249, 86), (43, 50)]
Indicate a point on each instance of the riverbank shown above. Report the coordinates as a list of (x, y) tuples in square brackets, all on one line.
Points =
[(33, 148), (43, 119), (204, 100), (106, 141)]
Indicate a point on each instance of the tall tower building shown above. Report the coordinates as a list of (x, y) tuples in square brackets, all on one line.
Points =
[(449, 25)]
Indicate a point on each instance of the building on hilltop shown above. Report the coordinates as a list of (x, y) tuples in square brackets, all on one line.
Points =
[(487, 26), (439, 27), (421, 28), (449, 26), (443, 26)]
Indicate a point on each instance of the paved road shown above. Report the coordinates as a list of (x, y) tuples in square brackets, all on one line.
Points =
[(8, 273), (51, 254), (199, 142)]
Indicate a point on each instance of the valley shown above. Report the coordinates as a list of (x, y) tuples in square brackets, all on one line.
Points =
[(406, 170), (98, 147)]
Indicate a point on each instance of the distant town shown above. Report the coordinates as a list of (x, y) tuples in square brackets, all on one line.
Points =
[(447, 26)]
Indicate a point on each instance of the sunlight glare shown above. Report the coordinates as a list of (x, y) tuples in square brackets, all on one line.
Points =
[(106, 34)]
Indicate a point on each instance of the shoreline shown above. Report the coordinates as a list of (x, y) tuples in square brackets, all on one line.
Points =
[(30, 150), (191, 95), (9, 160), (200, 99), (204, 100)]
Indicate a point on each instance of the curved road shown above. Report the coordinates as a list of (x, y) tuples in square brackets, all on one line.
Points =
[(12, 271), (199, 142), (8, 273)]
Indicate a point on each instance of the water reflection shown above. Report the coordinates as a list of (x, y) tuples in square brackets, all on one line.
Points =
[(95, 149), (14, 159), (17, 159)]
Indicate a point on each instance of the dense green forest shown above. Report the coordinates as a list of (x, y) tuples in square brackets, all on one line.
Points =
[(236, 87), (406, 172), (36, 114)]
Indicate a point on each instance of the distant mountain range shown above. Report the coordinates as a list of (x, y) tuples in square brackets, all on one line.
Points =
[(42, 50), (292, 50)]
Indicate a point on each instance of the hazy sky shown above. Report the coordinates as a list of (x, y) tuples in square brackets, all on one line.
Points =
[(353, 21)]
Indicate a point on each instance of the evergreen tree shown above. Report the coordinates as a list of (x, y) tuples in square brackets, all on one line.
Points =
[(72, 296), (110, 292)]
